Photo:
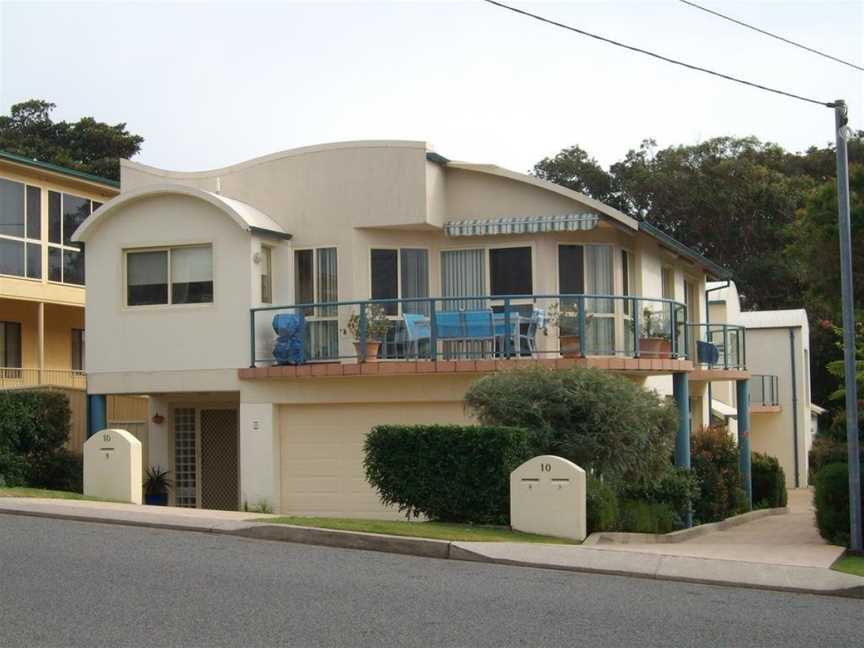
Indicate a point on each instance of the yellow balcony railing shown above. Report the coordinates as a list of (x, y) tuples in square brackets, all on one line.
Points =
[(17, 378)]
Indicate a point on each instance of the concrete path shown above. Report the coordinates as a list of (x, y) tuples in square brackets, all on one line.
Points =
[(790, 539), (746, 556)]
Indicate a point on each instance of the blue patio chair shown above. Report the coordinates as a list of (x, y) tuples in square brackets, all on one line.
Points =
[(417, 328), (479, 327), (707, 353), (448, 325)]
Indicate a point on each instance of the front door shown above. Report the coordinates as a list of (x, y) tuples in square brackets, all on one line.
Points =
[(219, 459)]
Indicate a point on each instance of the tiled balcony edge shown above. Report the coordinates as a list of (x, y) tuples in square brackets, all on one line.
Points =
[(644, 366)]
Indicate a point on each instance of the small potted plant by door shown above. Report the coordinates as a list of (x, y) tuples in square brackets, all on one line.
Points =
[(377, 325), (566, 317), (156, 486), (655, 336)]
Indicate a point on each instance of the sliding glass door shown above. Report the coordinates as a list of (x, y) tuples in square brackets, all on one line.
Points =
[(316, 281), (588, 269)]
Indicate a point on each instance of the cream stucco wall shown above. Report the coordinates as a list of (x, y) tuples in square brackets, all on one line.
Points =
[(167, 338)]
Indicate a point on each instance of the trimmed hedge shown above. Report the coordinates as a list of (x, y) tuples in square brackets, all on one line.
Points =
[(450, 473), (639, 516), (831, 498), (768, 480), (34, 426), (602, 506)]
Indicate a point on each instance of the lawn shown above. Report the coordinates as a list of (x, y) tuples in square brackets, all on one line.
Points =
[(850, 564), (434, 530), (41, 492)]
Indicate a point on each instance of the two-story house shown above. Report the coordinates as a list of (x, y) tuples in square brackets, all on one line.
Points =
[(42, 339), (238, 300)]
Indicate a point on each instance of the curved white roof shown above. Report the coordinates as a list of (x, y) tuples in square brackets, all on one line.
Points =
[(246, 216)]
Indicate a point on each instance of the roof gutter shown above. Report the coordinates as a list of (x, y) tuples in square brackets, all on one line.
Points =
[(688, 253)]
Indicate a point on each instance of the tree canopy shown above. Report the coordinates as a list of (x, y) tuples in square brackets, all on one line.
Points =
[(86, 145)]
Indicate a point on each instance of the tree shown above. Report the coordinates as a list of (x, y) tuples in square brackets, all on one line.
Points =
[(573, 168), (86, 145)]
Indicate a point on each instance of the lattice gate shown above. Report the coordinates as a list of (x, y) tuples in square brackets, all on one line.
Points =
[(219, 459)]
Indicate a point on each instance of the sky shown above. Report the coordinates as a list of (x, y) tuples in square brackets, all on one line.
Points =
[(209, 84)]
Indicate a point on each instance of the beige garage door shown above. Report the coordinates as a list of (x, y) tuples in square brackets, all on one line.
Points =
[(322, 454)]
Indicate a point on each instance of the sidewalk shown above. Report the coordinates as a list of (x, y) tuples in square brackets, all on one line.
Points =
[(778, 552)]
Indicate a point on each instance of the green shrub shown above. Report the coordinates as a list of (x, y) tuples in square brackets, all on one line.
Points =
[(62, 471), (768, 481), (602, 506), (639, 516), (34, 426), (828, 449), (714, 460), (605, 423), (446, 472), (831, 498), (677, 488)]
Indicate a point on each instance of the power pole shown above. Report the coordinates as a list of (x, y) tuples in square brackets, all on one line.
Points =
[(842, 131)]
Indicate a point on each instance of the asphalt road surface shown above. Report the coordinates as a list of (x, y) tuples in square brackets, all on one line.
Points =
[(80, 584)]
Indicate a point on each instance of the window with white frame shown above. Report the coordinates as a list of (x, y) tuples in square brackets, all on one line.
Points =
[(316, 281), (20, 229), (667, 280), (266, 274), (588, 269), (65, 258), (171, 275), (400, 274)]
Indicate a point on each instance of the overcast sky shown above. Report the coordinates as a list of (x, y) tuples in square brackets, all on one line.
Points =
[(210, 84)]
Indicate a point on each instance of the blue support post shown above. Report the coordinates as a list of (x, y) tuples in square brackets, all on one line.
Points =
[(742, 389), (97, 413), (681, 393)]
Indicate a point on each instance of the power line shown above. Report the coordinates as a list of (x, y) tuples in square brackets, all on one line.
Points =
[(827, 104), (767, 33)]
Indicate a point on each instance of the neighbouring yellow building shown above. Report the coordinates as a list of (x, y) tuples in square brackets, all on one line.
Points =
[(42, 281)]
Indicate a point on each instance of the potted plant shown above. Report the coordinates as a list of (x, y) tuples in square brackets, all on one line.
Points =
[(565, 315), (156, 486), (655, 336), (377, 325)]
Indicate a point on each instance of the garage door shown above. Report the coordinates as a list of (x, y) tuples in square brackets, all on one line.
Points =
[(322, 454)]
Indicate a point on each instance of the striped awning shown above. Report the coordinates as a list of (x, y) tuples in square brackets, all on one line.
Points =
[(522, 225)]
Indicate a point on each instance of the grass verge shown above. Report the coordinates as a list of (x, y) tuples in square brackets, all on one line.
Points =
[(42, 492), (850, 565), (433, 530)]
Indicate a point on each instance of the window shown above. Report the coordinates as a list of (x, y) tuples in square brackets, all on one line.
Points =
[(266, 275), (20, 230), (10, 344), (667, 278), (65, 258), (462, 276), (627, 279), (587, 269), (189, 268), (316, 281), (77, 350), (400, 274), (510, 271)]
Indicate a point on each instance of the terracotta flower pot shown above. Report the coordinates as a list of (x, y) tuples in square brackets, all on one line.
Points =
[(371, 351), (571, 346), (654, 347)]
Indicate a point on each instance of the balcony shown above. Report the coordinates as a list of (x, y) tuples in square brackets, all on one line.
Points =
[(22, 378), (764, 394), (632, 334)]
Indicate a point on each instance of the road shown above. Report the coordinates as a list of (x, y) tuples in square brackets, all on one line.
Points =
[(80, 584)]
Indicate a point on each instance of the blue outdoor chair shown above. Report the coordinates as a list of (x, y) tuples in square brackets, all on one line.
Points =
[(417, 328)]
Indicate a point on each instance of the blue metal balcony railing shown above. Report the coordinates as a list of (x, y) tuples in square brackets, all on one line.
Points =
[(764, 390), (470, 327), (719, 346)]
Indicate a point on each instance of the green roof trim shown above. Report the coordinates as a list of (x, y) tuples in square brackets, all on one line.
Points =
[(713, 268), (56, 168)]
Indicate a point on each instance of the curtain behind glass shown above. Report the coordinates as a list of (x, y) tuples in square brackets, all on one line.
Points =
[(192, 275), (415, 279), (326, 334), (462, 276), (601, 327)]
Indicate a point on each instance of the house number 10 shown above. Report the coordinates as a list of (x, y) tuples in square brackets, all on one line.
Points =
[(545, 467)]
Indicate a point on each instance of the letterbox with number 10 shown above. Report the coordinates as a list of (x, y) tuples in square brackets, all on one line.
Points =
[(547, 496)]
